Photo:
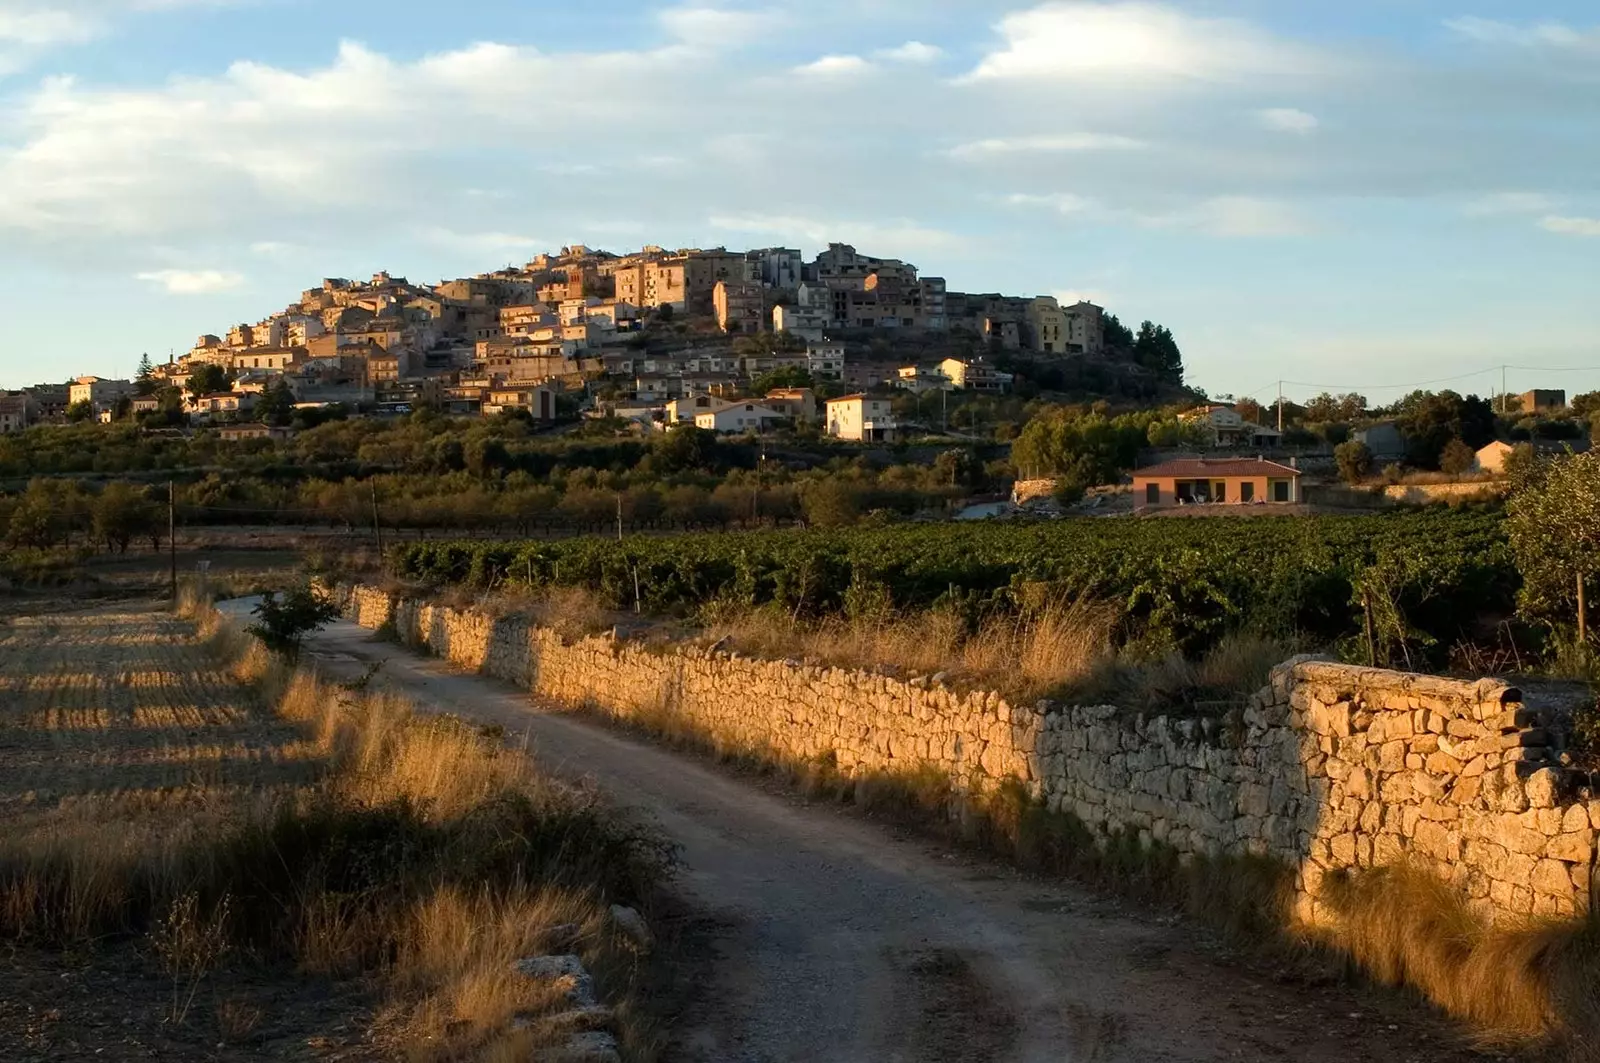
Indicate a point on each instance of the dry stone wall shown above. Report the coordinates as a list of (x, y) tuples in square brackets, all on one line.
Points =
[(1329, 767)]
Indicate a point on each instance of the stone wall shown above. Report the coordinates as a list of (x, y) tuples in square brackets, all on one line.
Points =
[(1329, 767)]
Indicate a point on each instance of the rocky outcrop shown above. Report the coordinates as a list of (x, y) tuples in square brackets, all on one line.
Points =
[(1329, 767)]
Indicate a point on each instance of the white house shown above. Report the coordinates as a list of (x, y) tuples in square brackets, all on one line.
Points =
[(1226, 427), (733, 417), (973, 376), (862, 418), (686, 409)]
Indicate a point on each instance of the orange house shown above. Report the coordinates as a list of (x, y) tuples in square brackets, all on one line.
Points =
[(1215, 481)]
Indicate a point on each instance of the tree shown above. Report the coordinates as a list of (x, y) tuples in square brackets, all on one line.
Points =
[(683, 448), (831, 503), (79, 411), (1457, 458), (283, 623), (276, 405), (789, 376), (1114, 334), (1429, 422), (1354, 460), (1586, 405), (208, 379), (1250, 410), (145, 382), (1553, 523), (121, 514), (1155, 349)]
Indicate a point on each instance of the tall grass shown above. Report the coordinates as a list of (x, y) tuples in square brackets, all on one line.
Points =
[(1028, 654), (425, 855)]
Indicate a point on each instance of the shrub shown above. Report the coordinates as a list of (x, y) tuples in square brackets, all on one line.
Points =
[(283, 623)]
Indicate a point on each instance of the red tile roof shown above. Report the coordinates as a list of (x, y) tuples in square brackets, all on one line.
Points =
[(1200, 468)]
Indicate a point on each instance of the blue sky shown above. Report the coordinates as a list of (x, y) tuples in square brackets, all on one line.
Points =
[(1367, 194)]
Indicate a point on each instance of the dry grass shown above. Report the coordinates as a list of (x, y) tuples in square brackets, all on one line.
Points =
[(572, 611), (147, 791), (1025, 656), (1535, 979)]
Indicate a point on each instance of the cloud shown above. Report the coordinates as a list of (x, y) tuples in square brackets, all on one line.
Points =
[(1510, 203), (1571, 226), (191, 281), (1062, 202), (901, 236), (1072, 40), (31, 27), (714, 27), (272, 249), (1225, 216), (1534, 35), (1235, 217), (1288, 120), (484, 244), (911, 52), (39, 28), (1044, 143), (834, 66)]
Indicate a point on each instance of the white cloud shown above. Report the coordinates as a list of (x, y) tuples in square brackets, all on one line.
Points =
[(191, 281), (1571, 226), (1226, 216), (714, 27), (485, 244), (906, 236), (833, 66), (1534, 35), (1235, 216), (272, 249), (41, 27), (1062, 202), (1073, 40), (1045, 143), (1288, 120), (911, 52), (1510, 203)]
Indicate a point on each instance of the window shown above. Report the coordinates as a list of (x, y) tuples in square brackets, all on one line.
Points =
[(1247, 491), (1280, 490), (1152, 494), (1220, 491)]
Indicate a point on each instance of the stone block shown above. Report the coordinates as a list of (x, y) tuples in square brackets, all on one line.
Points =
[(1574, 848), (1543, 787), (1551, 877)]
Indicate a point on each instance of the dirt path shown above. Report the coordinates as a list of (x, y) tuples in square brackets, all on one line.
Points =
[(833, 938)]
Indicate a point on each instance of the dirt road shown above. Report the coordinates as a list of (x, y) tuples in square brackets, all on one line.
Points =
[(833, 938)]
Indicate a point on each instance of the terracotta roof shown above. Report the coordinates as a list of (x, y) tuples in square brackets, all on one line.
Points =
[(1202, 467)]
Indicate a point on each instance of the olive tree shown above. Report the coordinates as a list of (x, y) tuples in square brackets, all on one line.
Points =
[(1554, 528)]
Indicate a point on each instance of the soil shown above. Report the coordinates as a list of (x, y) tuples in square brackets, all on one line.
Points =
[(819, 934)]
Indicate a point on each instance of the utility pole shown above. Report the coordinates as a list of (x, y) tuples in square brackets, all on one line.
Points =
[(377, 525), (1280, 407), (1505, 398), (619, 516), (172, 535)]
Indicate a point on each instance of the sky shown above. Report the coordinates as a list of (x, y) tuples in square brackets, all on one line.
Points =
[(1369, 195)]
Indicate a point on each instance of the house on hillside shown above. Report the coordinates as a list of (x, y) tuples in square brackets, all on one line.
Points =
[(732, 417), (863, 419), (1224, 426), (1492, 458), (1215, 481)]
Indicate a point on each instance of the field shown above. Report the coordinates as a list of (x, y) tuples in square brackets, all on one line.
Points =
[(203, 856), (1428, 579)]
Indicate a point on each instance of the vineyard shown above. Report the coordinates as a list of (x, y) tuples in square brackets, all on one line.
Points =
[(1425, 579)]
